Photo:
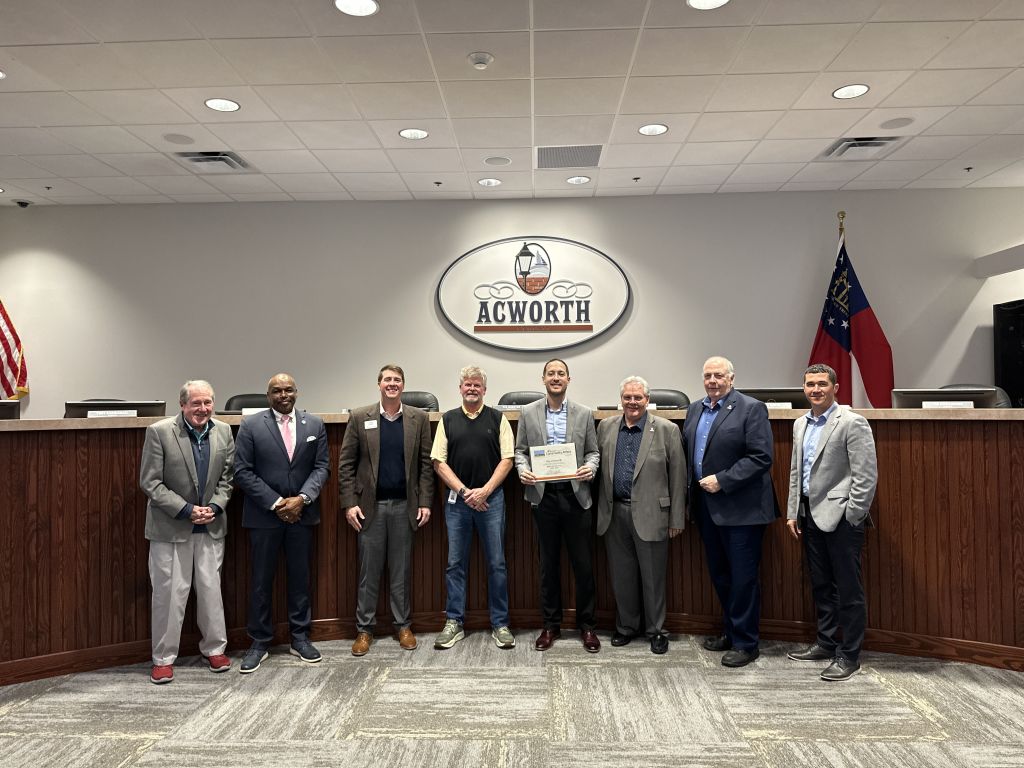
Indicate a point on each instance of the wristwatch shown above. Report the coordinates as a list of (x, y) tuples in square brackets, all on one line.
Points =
[(306, 501), (462, 492)]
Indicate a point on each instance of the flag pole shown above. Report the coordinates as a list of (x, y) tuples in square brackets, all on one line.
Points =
[(841, 215)]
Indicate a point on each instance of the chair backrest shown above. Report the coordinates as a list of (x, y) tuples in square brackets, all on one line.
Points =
[(1003, 399), (421, 399), (252, 400), (520, 397), (669, 398)]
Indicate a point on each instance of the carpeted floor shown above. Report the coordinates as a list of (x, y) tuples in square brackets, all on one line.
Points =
[(476, 705)]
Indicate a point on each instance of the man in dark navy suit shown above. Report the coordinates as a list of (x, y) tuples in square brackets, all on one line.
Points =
[(281, 463), (729, 454)]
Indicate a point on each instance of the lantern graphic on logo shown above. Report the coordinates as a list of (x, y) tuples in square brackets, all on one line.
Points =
[(533, 268)]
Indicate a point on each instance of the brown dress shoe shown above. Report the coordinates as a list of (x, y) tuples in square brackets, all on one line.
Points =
[(406, 639), (362, 644), (591, 642), (546, 639)]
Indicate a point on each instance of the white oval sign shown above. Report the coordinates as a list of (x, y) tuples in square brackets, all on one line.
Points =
[(533, 293)]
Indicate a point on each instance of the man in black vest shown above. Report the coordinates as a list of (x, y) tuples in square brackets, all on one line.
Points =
[(472, 454)]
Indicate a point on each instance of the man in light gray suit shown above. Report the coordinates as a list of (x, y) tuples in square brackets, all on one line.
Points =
[(186, 471), (561, 507), (641, 506), (832, 481)]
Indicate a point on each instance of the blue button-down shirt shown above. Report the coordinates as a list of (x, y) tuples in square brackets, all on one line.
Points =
[(812, 433), (557, 422), (707, 418), (627, 447)]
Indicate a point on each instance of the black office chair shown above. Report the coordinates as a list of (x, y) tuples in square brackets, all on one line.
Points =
[(421, 399), (520, 397), (669, 398), (1003, 399), (238, 402)]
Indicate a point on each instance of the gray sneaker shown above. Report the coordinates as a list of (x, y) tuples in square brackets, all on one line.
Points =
[(450, 635), (503, 637)]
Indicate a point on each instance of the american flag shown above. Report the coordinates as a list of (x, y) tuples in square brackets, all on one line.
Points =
[(13, 371)]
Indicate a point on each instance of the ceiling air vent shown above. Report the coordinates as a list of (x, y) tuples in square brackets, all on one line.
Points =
[(214, 162), (866, 148), (583, 156)]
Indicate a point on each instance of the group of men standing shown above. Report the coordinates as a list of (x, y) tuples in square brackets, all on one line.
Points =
[(650, 475)]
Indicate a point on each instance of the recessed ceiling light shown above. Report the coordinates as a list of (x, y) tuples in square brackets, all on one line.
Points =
[(578, 180), (357, 7), (2, 74), (413, 134), (222, 105), (480, 60), (851, 91), (498, 160), (706, 5), (1, 189), (652, 129), (489, 182)]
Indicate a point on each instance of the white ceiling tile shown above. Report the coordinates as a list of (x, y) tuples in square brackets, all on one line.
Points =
[(369, 195), (521, 157), (787, 150), (748, 93), (579, 129), (571, 192), (638, 155), (714, 152), (28, 141), (81, 67), (413, 160), (354, 160), (858, 184), (193, 100), (816, 123), (556, 178), (940, 88), (49, 187), (708, 51), (88, 199), (443, 194), (577, 96), (110, 20), (764, 173), (803, 12), (623, 177), (933, 10), (486, 98), (964, 121), (17, 168), (305, 182), (1007, 9), (672, 13), (898, 170), (511, 181), (338, 194), (1009, 90), (986, 44), (101, 138), (177, 63), (836, 171), (819, 94), (811, 186), (215, 197), (153, 135), (474, 15), (584, 53), (261, 197), (490, 193), (379, 59), (371, 182), (733, 126), (177, 185), (440, 130), (242, 136), (494, 132), (511, 52), (449, 182), (135, 106), (309, 102), (394, 17), (938, 184), (668, 94), (40, 23), (690, 175), (46, 108), (934, 147), (72, 166), (1010, 176), (793, 48), (995, 149), (351, 134), (739, 188), (896, 46), (233, 184), (144, 164), (591, 14), (625, 129), (20, 76), (624, 191), (394, 101), (115, 185), (956, 170), (140, 199), (284, 161), (243, 18), (922, 117)]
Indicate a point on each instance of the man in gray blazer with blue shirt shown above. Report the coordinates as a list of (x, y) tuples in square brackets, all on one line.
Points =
[(561, 508), (281, 464), (832, 481)]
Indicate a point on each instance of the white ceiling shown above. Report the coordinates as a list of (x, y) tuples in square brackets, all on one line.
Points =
[(94, 86)]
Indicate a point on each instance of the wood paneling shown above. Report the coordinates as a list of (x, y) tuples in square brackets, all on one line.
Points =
[(944, 566)]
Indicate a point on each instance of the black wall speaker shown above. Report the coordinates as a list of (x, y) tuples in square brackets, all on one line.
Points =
[(1008, 336)]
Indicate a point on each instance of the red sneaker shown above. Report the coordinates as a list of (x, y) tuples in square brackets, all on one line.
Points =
[(162, 673), (219, 663)]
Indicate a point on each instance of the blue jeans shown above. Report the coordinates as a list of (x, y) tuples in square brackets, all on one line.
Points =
[(460, 520)]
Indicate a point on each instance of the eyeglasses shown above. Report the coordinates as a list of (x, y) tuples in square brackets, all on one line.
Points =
[(716, 376), (633, 398)]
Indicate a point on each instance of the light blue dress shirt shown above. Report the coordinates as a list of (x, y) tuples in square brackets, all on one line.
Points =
[(812, 433), (707, 418)]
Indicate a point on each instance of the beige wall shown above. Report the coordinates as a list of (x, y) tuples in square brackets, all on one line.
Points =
[(128, 301)]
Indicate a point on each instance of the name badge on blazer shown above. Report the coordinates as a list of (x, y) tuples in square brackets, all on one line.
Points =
[(370, 424)]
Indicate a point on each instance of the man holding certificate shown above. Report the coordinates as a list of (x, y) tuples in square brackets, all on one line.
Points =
[(557, 458)]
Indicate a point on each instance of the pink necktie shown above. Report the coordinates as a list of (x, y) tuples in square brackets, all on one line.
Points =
[(286, 431)]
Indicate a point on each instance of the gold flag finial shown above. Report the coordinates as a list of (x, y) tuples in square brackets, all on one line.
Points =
[(841, 216)]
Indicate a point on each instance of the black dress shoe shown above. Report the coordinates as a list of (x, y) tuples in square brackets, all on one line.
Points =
[(737, 658), (659, 644), (720, 643), (619, 639), (546, 639), (812, 652), (840, 670)]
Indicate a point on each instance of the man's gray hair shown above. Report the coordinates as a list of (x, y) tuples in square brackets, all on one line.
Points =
[(635, 380), (472, 372), (188, 386), (728, 363)]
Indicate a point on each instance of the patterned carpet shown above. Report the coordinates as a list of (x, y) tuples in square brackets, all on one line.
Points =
[(476, 705)]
